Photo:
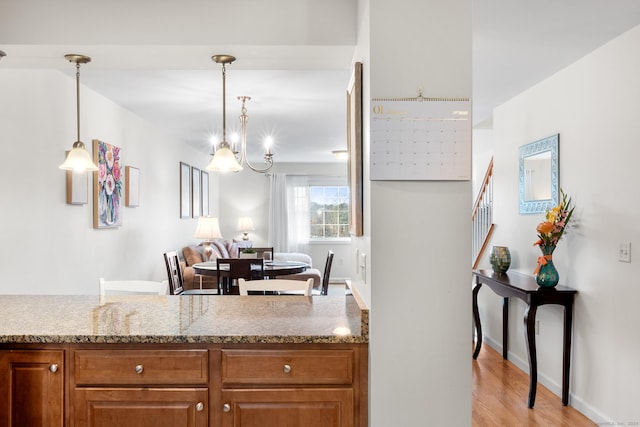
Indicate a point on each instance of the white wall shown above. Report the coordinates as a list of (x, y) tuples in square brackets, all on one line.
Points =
[(593, 105), (419, 232), (50, 247)]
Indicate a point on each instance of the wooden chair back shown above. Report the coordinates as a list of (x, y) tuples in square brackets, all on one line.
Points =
[(174, 273), (265, 252), (327, 273), (232, 269), (276, 285)]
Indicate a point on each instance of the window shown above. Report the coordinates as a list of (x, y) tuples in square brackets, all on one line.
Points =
[(329, 211)]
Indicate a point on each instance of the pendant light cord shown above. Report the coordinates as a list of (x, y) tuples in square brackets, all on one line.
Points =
[(224, 103), (78, 99)]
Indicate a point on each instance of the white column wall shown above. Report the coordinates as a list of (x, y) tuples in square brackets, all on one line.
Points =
[(420, 234)]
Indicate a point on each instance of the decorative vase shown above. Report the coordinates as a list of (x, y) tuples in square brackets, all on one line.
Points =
[(546, 274), (500, 259)]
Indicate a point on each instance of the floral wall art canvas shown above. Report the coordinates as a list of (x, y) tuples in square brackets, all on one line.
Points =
[(107, 189)]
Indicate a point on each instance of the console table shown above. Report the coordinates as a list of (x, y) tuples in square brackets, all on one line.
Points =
[(523, 286)]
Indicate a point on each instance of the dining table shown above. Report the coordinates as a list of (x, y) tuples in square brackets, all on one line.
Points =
[(272, 268)]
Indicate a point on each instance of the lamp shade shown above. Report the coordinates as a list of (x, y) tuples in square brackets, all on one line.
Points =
[(78, 159), (208, 228), (245, 224), (224, 161)]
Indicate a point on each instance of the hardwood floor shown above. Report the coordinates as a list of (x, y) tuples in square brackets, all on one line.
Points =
[(500, 390)]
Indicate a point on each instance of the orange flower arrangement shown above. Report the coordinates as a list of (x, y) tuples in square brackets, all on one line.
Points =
[(551, 230)]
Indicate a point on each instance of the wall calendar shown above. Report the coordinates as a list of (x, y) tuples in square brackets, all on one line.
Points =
[(420, 139)]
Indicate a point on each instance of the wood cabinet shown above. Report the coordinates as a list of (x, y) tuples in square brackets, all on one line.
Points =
[(31, 388), (291, 387), (191, 385), (108, 387), (135, 407)]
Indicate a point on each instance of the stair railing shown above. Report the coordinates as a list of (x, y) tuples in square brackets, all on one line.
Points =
[(482, 217)]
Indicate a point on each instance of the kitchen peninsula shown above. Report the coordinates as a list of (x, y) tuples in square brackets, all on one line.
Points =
[(183, 360)]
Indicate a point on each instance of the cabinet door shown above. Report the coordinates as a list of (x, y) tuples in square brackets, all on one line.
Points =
[(136, 407), (31, 388), (322, 407)]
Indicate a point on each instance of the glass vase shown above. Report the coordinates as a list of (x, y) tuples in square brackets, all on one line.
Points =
[(500, 259), (547, 276)]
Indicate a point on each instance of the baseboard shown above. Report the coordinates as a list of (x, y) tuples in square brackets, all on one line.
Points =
[(574, 401)]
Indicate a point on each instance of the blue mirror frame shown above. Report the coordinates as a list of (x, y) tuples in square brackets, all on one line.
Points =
[(540, 147)]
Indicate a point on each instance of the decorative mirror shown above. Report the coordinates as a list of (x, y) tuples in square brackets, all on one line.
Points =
[(539, 175)]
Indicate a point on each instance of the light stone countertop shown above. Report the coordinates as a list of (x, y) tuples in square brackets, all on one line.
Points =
[(182, 319)]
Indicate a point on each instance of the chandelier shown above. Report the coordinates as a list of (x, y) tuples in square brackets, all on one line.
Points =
[(225, 156), (78, 158)]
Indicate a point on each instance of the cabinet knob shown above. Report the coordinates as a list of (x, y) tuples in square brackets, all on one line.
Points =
[(286, 369), (226, 407), (53, 368), (139, 369), (199, 406)]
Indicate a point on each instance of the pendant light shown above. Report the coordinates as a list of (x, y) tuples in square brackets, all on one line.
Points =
[(78, 158), (224, 159)]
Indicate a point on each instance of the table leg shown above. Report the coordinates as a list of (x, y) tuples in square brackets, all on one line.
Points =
[(566, 352), (505, 328), (476, 320), (530, 336)]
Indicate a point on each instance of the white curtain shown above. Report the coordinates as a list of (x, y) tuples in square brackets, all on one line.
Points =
[(278, 234), (298, 213), (289, 213)]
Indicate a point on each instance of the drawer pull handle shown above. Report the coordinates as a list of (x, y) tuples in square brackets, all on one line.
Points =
[(226, 407), (53, 368), (139, 369), (287, 369), (199, 406)]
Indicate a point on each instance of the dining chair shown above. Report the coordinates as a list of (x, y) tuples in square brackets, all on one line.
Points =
[(315, 275), (174, 274), (132, 287), (266, 252), (232, 269), (275, 285), (326, 275)]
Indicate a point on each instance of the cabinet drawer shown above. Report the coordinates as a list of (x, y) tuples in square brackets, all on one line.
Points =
[(135, 407), (287, 366), (92, 367)]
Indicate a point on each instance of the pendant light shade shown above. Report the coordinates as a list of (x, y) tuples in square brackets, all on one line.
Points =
[(78, 158), (224, 161)]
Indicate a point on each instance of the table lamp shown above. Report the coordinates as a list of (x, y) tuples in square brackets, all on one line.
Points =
[(208, 229), (245, 225)]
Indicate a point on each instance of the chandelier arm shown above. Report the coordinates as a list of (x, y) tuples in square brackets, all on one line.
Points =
[(268, 157)]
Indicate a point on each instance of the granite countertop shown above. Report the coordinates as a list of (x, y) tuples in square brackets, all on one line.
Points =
[(182, 319)]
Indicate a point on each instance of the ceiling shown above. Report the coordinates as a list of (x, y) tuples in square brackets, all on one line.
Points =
[(298, 92)]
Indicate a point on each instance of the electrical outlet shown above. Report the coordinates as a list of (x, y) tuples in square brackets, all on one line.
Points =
[(624, 254)]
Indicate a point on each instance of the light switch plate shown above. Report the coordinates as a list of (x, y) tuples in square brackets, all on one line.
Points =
[(624, 254)]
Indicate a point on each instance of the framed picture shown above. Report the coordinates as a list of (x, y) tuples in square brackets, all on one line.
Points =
[(185, 190), (77, 187), (205, 193), (196, 200), (132, 186), (354, 146), (107, 185)]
